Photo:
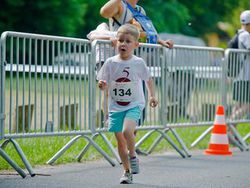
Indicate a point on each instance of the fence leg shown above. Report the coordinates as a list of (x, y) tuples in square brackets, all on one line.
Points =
[(23, 157), (163, 135), (202, 136), (239, 138), (235, 142), (12, 163), (178, 138), (111, 147), (63, 150), (155, 143), (246, 137), (169, 140), (72, 141), (85, 149), (100, 151), (147, 135)]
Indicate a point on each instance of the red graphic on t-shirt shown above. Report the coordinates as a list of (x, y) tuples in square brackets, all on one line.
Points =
[(123, 79)]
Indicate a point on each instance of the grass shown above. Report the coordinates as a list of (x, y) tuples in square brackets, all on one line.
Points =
[(39, 150)]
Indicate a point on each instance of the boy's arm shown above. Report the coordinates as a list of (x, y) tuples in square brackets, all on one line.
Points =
[(102, 84), (151, 91), (112, 8)]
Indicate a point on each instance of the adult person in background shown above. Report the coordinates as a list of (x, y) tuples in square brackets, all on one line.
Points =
[(118, 14), (241, 85)]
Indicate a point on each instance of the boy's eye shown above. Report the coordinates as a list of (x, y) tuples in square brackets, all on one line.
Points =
[(122, 41)]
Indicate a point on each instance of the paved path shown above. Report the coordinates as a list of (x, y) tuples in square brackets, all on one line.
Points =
[(157, 170)]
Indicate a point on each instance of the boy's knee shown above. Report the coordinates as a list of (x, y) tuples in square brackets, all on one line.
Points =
[(128, 133)]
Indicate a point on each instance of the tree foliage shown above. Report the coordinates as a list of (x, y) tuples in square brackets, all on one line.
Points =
[(206, 14), (170, 16), (77, 17), (57, 17), (233, 19)]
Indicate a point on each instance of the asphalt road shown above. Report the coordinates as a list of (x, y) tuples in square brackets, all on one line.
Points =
[(157, 170)]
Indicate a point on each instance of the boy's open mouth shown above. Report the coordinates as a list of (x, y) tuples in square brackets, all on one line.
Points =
[(123, 49)]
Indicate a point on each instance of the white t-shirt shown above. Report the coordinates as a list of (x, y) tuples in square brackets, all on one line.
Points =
[(103, 51), (244, 43), (124, 79), (244, 40)]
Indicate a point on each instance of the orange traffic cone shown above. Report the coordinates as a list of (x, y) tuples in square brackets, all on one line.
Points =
[(219, 144)]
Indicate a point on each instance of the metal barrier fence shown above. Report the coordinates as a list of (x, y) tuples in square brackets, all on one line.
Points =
[(236, 97), (195, 87), (151, 119), (189, 84), (153, 55), (196, 84), (238, 90), (1, 96), (47, 85), (48, 88)]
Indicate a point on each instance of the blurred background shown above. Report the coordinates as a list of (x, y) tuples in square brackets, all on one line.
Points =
[(209, 22)]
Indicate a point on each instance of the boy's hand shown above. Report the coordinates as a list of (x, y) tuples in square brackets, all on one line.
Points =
[(153, 102), (102, 84)]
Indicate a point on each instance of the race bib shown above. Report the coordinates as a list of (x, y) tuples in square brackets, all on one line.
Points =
[(123, 91)]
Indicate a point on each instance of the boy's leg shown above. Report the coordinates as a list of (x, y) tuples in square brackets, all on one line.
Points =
[(127, 177), (122, 150), (128, 132)]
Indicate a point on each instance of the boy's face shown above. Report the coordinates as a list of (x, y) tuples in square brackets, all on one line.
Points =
[(126, 43)]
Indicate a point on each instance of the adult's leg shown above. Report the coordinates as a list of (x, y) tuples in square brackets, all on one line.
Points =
[(239, 112)]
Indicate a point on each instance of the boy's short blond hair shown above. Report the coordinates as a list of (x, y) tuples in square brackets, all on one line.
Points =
[(129, 29)]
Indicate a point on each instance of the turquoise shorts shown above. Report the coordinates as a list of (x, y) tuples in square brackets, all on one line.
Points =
[(116, 119)]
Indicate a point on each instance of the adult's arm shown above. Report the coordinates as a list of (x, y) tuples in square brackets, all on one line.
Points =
[(166, 43), (112, 8)]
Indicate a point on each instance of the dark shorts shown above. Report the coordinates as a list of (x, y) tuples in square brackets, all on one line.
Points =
[(241, 91)]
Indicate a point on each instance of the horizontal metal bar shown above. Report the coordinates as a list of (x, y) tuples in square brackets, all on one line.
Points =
[(40, 36), (30, 135)]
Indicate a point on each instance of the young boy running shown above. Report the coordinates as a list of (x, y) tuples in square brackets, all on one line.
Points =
[(122, 76)]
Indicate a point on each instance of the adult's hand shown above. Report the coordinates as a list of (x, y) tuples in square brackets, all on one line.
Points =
[(166, 43)]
